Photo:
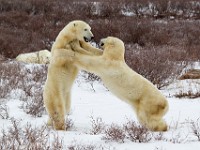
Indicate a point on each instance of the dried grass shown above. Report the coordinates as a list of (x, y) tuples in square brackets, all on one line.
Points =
[(17, 76), (115, 133), (137, 133)]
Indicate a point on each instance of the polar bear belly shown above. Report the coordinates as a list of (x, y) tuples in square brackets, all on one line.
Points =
[(122, 88)]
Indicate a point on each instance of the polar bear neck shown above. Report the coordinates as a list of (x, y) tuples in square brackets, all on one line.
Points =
[(64, 37), (113, 53)]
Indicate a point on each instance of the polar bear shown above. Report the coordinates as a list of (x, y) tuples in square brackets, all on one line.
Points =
[(39, 57), (62, 73), (148, 102)]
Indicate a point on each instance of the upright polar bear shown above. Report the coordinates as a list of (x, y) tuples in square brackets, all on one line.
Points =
[(39, 57), (150, 105), (62, 73)]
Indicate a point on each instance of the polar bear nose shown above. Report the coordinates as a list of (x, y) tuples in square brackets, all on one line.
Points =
[(92, 38), (101, 44)]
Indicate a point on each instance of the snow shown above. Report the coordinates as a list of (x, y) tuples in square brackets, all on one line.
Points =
[(92, 99)]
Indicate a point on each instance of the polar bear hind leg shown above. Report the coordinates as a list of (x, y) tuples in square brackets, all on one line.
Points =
[(67, 102), (151, 116), (56, 112)]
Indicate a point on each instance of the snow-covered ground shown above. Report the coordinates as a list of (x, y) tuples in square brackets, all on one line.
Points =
[(94, 100)]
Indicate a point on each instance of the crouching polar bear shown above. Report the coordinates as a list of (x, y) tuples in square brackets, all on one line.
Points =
[(149, 104), (39, 57), (62, 73)]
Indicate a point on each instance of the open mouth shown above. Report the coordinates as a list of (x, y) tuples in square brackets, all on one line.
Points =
[(86, 39)]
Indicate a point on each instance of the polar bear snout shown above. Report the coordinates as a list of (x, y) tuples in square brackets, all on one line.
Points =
[(87, 39), (102, 43)]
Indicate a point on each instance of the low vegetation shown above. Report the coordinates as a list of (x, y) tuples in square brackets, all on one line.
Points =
[(18, 80), (19, 136), (158, 35)]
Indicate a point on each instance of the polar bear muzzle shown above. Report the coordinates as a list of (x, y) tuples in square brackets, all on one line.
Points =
[(102, 43), (88, 39)]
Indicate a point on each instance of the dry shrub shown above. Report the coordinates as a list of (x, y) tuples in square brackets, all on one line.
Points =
[(9, 73), (138, 31), (146, 32), (162, 44), (115, 133), (26, 82), (57, 143), (90, 77), (4, 114), (32, 25), (69, 123), (81, 147), (196, 129), (187, 94), (177, 138), (28, 137), (155, 65), (98, 126), (34, 105), (33, 100), (2, 58), (159, 136), (137, 133), (130, 131)]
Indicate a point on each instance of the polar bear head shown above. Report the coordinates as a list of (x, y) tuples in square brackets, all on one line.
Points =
[(113, 47), (80, 30), (44, 57)]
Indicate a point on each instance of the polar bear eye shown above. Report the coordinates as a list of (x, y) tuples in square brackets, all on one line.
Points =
[(85, 29)]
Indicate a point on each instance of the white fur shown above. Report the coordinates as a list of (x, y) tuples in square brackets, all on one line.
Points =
[(148, 102), (39, 57), (62, 73)]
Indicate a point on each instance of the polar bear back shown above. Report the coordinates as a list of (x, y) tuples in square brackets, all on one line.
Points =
[(39, 57), (28, 57)]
